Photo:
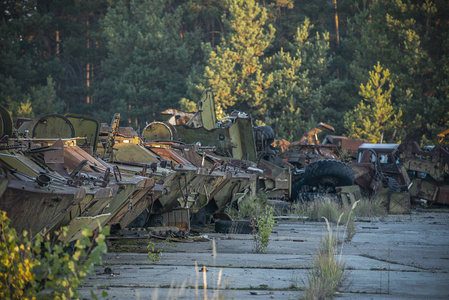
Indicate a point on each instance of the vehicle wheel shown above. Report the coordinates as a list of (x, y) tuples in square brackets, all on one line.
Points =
[(328, 173), (296, 189), (265, 134), (393, 184), (224, 226)]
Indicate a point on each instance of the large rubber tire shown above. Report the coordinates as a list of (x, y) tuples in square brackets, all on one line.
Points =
[(265, 134), (328, 173), (224, 226)]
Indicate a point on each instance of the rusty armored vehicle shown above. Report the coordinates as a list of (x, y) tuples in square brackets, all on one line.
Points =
[(35, 198), (317, 168), (380, 174), (109, 197), (189, 179), (404, 174), (428, 169), (233, 139)]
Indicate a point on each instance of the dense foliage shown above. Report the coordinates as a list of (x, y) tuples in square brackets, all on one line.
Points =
[(36, 268), (290, 63)]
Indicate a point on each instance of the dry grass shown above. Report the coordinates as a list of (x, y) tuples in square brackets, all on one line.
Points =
[(329, 208), (318, 208), (327, 272), (199, 284), (367, 208)]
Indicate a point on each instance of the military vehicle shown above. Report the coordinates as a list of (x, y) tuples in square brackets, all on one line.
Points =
[(35, 198), (110, 197), (232, 139), (428, 169), (194, 179)]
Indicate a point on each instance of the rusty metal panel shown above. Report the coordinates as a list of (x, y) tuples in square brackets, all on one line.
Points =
[(126, 132), (74, 155), (178, 218), (443, 196), (351, 144), (349, 194), (421, 189), (364, 176), (399, 203), (34, 209), (170, 154), (134, 205), (133, 153), (55, 156)]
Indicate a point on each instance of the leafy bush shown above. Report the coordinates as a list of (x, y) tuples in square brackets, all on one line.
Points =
[(33, 268), (249, 207), (264, 223)]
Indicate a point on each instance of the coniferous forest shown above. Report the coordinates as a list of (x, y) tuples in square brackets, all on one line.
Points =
[(369, 68)]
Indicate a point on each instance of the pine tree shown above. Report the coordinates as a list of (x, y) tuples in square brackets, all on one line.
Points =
[(148, 61), (234, 68), (374, 118), (26, 62), (408, 36), (296, 96)]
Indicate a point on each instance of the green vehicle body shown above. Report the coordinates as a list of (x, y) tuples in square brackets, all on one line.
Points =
[(233, 139)]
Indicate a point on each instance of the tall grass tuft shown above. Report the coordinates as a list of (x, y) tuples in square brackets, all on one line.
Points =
[(327, 272), (331, 209), (371, 208)]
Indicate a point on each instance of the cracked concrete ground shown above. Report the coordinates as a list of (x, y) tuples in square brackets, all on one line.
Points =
[(402, 257)]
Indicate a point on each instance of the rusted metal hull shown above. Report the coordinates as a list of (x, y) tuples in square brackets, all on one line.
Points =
[(429, 190), (91, 206), (35, 209), (365, 176), (229, 190), (128, 199), (131, 201)]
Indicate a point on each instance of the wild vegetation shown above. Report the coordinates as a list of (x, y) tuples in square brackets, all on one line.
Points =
[(38, 267), (289, 63), (327, 270), (264, 225)]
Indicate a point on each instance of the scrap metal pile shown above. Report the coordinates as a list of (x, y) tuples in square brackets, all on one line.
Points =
[(73, 171)]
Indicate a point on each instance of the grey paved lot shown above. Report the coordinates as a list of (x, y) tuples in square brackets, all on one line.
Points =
[(401, 257)]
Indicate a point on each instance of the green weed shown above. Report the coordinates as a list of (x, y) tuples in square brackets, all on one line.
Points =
[(249, 207), (327, 272), (154, 255), (264, 223), (36, 268)]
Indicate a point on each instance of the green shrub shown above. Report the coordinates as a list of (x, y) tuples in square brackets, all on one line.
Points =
[(264, 223), (33, 268), (250, 207)]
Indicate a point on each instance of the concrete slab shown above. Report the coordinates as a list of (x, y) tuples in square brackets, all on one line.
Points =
[(401, 257)]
